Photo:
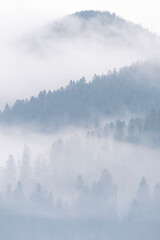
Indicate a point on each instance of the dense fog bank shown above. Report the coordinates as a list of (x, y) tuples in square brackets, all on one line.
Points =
[(80, 187), (31, 228), (75, 171)]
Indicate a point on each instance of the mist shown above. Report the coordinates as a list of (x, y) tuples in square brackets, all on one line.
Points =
[(63, 157), (70, 174), (72, 177), (43, 57)]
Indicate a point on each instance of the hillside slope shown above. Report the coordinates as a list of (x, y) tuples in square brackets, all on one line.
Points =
[(134, 89)]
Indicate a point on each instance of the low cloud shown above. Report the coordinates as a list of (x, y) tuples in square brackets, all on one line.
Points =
[(69, 49)]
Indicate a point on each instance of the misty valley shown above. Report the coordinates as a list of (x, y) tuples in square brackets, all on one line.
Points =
[(84, 185), (80, 158)]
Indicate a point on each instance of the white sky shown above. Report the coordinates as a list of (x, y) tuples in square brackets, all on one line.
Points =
[(25, 14)]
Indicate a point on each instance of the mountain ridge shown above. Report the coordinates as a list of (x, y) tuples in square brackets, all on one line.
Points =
[(129, 90)]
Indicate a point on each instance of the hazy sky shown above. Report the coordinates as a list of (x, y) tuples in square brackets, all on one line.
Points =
[(28, 13)]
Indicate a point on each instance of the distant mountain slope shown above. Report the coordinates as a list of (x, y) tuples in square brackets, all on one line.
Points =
[(104, 24), (103, 28), (97, 25), (134, 89)]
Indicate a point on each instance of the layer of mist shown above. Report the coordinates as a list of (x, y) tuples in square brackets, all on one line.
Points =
[(55, 161), (94, 41), (80, 181)]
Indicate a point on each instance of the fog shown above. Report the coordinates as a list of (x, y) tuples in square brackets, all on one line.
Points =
[(43, 57), (57, 160), (72, 177), (100, 181)]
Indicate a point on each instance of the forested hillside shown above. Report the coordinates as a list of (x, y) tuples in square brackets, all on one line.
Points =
[(134, 89)]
